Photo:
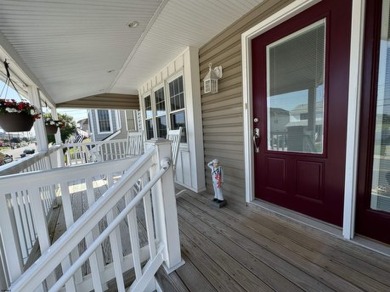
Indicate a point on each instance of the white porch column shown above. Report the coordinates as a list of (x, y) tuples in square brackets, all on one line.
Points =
[(164, 203), (39, 125), (57, 136)]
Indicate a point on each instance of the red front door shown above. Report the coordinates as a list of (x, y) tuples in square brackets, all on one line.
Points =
[(373, 202), (300, 90)]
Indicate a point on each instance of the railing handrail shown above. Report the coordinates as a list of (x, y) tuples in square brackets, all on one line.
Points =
[(67, 145), (50, 259), (22, 164), (11, 183)]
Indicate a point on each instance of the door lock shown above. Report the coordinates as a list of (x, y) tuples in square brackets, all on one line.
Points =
[(256, 139)]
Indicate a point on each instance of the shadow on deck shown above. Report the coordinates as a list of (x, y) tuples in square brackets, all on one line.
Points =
[(237, 248)]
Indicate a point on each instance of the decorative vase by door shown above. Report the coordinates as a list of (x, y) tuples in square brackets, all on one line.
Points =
[(16, 122), (51, 129)]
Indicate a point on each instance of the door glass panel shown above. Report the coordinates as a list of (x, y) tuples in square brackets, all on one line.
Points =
[(380, 194), (295, 91)]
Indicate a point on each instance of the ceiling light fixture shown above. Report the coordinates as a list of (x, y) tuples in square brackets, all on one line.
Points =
[(133, 24)]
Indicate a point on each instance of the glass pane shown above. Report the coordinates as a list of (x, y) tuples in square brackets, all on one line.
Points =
[(161, 123), (148, 107), (149, 129), (160, 102), (104, 121), (380, 194), (178, 119), (176, 94), (295, 91)]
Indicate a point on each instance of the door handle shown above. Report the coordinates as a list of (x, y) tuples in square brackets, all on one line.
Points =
[(256, 139)]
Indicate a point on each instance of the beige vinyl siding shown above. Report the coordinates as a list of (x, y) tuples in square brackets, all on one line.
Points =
[(223, 131)]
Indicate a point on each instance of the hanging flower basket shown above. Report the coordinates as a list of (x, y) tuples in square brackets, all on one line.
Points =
[(51, 129), (16, 122), (17, 116), (52, 125)]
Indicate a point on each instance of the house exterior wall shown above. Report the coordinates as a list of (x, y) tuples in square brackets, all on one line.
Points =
[(222, 113)]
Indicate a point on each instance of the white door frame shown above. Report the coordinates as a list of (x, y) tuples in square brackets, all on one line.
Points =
[(353, 100)]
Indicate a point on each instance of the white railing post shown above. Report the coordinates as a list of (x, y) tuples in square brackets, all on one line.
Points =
[(167, 227), (11, 245)]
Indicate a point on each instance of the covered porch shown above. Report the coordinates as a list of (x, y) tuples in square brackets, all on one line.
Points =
[(143, 233)]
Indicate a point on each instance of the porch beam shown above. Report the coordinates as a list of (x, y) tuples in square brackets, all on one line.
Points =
[(104, 100)]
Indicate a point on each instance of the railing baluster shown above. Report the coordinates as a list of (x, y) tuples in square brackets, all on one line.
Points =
[(29, 237), (149, 225), (69, 220), (134, 237), (15, 200), (96, 260), (116, 244), (11, 244)]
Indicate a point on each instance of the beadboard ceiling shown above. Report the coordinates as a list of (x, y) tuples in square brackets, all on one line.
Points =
[(79, 48)]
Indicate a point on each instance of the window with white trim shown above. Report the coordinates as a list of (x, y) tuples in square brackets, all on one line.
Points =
[(177, 114), (165, 109), (104, 121), (161, 116), (148, 117)]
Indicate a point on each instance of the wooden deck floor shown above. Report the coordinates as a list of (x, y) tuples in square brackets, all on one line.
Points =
[(237, 248)]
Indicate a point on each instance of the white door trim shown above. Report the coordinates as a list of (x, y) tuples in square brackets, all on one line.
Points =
[(354, 100)]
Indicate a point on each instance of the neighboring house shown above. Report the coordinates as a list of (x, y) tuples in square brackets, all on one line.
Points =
[(111, 124), (83, 125)]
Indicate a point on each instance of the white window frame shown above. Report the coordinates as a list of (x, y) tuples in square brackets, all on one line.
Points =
[(154, 106), (167, 81), (165, 85), (97, 121), (145, 118)]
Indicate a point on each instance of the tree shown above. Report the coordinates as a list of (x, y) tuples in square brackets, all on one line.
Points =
[(66, 131)]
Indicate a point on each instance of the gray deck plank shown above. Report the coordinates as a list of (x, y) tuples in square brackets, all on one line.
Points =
[(217, 232), (335, 255), (252, 228)]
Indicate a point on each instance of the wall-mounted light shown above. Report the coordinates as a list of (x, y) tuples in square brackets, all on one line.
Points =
[(210, 82)]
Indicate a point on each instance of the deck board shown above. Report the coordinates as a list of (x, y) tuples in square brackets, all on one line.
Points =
[(279, 255)]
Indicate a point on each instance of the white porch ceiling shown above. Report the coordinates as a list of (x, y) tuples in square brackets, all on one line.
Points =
[(79, 48)]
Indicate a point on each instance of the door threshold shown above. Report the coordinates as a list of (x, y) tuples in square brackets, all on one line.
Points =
[(308, 223)]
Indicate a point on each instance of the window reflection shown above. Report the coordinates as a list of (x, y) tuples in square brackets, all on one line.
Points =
[(380, 194), (295, 94)]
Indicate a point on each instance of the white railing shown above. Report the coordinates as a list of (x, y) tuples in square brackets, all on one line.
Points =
[(81, 153), (105, 241), (38, 161)]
